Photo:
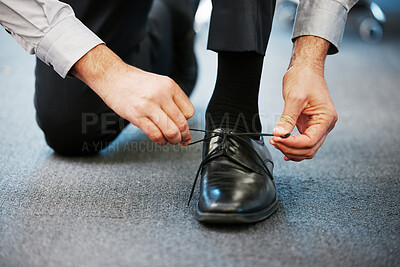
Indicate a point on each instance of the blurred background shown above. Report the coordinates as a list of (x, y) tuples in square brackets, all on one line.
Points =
[(128, 207)]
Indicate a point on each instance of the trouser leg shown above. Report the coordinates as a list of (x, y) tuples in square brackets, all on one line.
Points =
[(155, 52), (168, 48), (239, 32), (241, 25)]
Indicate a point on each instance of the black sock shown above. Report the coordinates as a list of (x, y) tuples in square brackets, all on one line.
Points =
[(234, 103)]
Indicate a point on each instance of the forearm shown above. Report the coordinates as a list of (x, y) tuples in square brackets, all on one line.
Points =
[(310, 51)]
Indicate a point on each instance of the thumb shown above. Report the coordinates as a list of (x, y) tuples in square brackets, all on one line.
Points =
[(288, 120)]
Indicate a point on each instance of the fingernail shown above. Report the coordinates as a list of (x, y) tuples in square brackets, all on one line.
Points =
[(279, 130)]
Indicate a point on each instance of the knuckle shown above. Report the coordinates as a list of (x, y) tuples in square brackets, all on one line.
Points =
[(309, 155), (312, 144), (335, 118), (142, 105), (182, 126), (168, 80), (161, 93), (145, 126), (157, 137), (171, 133), (296, 98), (288, 118), (295, 158), (298, 159), (169, 83), (315, 146)]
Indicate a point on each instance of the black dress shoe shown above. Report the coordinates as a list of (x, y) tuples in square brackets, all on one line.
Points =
[(236, 179)]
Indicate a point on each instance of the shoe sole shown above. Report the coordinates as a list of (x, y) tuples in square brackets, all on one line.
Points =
[(235, 218)]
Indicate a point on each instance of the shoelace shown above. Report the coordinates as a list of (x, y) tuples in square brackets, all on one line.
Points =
[(223, 151)]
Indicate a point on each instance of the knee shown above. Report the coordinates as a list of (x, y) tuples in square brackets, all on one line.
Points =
[(73, 145), (67, 142), (70, 139)]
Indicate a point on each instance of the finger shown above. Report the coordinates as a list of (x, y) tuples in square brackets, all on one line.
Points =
[(290, 114), (311, 136), (183, 102), (166, 125), (305, 153), (293, 158), (152, 131), (180, 121)]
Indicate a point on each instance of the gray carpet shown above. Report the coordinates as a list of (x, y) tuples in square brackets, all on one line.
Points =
[(127, 206)]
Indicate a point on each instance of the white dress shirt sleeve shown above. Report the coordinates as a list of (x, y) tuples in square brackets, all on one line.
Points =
[(323, 18), (49, 29)]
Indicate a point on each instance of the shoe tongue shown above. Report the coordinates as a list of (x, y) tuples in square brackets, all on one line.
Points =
[(223, 130), (215, 141), (217, 138), (231, 130), (245, 155)]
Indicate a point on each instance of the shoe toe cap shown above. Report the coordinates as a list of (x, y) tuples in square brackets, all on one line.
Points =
[(236, 198)]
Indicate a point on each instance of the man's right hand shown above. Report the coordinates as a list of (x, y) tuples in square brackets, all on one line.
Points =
[(154, 103)]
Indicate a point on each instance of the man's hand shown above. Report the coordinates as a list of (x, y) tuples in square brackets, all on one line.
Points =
[(308, 104), (154, 103)]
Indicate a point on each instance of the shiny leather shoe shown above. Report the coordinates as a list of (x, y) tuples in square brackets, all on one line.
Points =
[(236, 179)]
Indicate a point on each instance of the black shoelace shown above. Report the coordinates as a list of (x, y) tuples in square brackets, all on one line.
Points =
[(225, 136)]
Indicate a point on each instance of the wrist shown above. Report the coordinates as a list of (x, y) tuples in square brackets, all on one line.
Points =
[(98, 68), (310, 51)]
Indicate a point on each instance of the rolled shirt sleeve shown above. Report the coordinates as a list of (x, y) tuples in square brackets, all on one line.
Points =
[(323, 18), (49, 29)]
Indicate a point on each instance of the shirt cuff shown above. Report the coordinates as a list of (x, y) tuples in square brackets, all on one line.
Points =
[(65, 43), (325, 19)]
